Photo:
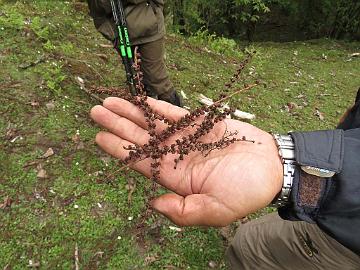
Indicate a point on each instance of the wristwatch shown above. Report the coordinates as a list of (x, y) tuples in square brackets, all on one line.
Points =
[(311, 179), (286, 149)]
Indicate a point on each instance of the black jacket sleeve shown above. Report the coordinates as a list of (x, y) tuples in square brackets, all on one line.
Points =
[(337, 207)]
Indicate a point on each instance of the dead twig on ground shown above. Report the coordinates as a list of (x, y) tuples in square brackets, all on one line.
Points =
[(81, 83), (76, 255)]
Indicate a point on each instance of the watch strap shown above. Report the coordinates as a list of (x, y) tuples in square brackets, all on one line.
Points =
[(286, 149)]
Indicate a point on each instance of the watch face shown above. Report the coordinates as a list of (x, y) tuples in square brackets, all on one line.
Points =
[(318, 171)]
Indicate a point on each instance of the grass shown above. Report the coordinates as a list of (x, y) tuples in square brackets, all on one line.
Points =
[(80, 203)]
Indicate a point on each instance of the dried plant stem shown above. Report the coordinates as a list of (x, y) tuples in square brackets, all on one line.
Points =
[(87, 91), (197, 124), (248, 87)]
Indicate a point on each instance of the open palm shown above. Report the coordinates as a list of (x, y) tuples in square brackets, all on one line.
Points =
[(209, 190)]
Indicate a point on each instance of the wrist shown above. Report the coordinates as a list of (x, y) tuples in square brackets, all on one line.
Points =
[(276, 167)]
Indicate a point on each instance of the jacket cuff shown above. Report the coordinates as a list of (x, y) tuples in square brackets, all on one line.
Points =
[(319, 149)]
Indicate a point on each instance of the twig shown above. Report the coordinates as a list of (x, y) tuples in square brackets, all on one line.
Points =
[(81, 83), (235, 93), (76, 257), (129, 165), (237, 113), (41, 59)]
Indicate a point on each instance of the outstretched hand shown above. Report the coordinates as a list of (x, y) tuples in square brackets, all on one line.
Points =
[(212, 190)]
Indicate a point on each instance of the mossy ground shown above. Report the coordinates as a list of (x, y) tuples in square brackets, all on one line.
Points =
[(44, 45)]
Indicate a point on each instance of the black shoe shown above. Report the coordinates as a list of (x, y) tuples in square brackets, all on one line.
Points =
[(172, 97), (150, 93)]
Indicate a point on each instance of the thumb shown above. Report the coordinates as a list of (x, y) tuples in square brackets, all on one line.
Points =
[(195, 209)]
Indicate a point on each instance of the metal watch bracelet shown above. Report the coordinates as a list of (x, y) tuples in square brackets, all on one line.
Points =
[(286, 149)]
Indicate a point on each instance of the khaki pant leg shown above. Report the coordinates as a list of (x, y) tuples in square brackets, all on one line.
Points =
[(273, 243), (153, 67)]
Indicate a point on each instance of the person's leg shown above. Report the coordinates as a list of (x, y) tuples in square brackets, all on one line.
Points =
[(273, 243), (155, 74)]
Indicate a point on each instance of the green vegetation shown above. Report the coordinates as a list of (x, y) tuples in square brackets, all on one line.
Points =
[(254, 19), (54, 204)]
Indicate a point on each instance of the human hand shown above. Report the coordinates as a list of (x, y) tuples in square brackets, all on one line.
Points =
[(215, 190)]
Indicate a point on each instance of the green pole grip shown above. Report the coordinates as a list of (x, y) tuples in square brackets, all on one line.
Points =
[(122, 45), (127, 42)]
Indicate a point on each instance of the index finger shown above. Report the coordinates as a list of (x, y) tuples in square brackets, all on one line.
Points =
[(130, 111)]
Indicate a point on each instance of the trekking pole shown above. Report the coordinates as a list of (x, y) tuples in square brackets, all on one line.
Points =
[(122, 43)]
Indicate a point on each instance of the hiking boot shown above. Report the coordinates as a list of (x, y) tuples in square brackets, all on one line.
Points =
[(149, 92), (172, 97)]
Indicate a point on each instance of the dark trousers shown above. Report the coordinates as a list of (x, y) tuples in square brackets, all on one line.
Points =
[(153, 66)]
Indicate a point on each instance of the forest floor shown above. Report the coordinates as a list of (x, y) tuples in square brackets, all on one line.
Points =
[(61, 206)]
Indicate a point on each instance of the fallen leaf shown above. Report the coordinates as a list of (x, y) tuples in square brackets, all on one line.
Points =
[(103, 56), (150, 259), (291, 106), (320, 115), (42, 174), (183, 94), (50, 105), (98, 173), (80, 146), (99, 254), (67, 201), (76, 138), (207, 50), (38, 196), (48, 153), (106, 46), (227, 233), (245, 220), (16, 138), (7, 203), (80, 80), (34, 103), (173, 66), (212, 264), (33, 264), (10, 133), (176, 229)]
